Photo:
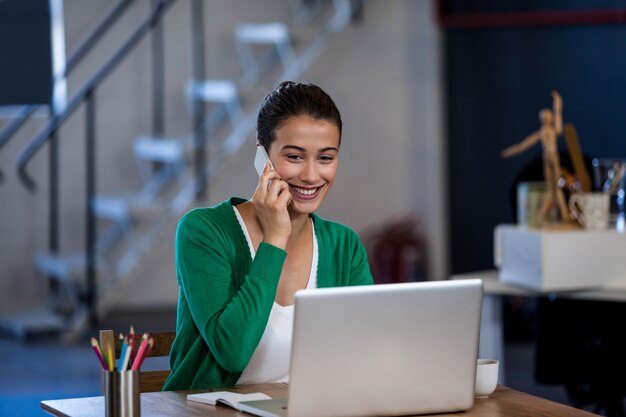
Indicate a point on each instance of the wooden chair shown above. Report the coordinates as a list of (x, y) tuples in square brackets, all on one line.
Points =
[(150, 381)]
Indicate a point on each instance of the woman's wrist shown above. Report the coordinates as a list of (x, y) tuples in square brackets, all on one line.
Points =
[(276, 240)]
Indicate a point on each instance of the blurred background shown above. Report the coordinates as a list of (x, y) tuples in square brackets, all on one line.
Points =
[(116, 117)]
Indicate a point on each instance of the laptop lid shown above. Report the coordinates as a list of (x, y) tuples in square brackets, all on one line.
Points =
[(382, 350)]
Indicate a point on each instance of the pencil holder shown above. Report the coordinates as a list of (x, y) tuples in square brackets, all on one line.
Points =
[(130, 404), (121, 394), (111, 393)]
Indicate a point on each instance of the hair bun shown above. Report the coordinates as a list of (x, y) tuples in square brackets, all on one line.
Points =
[(286, 84)]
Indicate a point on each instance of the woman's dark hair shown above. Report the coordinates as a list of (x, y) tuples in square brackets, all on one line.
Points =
[(291, 99)]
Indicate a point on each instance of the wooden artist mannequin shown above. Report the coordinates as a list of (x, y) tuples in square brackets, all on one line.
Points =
[(551, 128)]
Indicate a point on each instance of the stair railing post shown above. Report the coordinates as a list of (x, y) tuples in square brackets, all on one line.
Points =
[(54, 218), (90, 225), (158, 77), (197, 39)]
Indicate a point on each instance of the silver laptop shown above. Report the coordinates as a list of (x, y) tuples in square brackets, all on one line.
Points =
[(381, 350)]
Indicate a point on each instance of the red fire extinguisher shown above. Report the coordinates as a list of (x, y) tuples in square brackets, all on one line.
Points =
[(397, 253)]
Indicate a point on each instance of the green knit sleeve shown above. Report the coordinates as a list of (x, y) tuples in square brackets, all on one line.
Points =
[(229, 312), (360, 270)]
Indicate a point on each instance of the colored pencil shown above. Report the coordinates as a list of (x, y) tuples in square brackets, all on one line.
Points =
[(126, 358), (131, 341), (111, 359), (96, 348), (146, 353), (122, 348), (140, 353), (120, 361)]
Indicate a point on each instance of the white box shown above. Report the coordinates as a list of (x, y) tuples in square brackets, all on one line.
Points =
[(559, 260)]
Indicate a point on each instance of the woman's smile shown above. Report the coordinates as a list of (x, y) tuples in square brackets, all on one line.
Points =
[(305, 193)]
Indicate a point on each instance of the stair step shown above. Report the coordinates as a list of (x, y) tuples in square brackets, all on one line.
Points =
[(110, 208), (67, 267), (223, 92), (274, 33), (123, 209), (32, 322), (262, 33), (159, 149), (213, 91)]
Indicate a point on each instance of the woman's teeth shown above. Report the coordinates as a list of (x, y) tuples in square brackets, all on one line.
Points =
[(305, 191)]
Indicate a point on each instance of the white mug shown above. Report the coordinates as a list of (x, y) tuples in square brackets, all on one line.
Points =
[(590, 209), (486, 377)]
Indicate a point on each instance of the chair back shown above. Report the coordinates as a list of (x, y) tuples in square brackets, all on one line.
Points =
[(150, 381)]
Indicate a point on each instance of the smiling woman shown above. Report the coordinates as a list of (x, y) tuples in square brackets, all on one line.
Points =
[(240, 263)]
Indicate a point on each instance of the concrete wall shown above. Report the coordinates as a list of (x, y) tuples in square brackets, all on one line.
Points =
[(383, 72)]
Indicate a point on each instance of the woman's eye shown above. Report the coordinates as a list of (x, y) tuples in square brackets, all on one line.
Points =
[(327, 158), (294, 157)]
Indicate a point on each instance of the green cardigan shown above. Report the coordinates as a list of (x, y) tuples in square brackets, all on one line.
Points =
[(225, 297)]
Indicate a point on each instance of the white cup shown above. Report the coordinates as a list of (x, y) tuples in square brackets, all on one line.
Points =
[(590, 209), (486, 377)]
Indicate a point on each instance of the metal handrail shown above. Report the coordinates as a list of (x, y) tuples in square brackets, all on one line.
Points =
[(88, 87), (74, 59), (89, 42), (14, 125), (25, 112)]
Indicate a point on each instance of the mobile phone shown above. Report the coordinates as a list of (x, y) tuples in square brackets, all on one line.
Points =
[(261, 159)]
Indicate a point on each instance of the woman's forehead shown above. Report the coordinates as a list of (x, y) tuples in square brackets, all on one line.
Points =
[(307, 133)]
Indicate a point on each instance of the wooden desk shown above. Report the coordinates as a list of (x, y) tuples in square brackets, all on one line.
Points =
[(504, 402)]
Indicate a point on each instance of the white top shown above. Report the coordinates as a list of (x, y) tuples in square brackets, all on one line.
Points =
[(270, 360)]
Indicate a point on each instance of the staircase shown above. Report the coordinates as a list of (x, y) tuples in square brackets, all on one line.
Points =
[(127, 225)]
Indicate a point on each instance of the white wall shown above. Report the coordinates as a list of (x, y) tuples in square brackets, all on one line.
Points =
[(384, 73)]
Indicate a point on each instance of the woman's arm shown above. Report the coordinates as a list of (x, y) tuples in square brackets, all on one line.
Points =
[(229, 311), (360, 273)]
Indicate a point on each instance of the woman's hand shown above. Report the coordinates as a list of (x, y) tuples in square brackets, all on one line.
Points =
[(271, 205)]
